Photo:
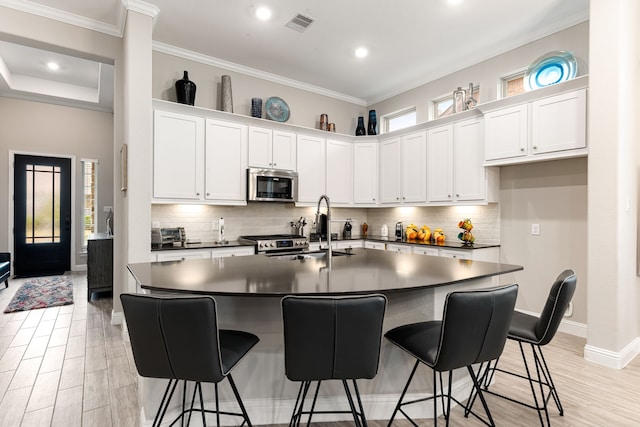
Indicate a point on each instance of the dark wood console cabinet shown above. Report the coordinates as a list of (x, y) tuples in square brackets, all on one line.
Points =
[(99, 264)]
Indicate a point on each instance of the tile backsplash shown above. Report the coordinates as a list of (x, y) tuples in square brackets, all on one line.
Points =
[(276, 218)]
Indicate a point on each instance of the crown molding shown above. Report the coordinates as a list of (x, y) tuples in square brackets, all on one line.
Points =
[(141, 7), (66, 17), (275, 78)]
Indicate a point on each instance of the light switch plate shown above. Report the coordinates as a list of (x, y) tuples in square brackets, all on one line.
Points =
[(106, 209), (535, 229)]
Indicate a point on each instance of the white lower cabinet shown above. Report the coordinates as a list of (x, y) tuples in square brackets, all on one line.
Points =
[(179, 255), (400, 249), (423, 250), (452, 253), (235, 251), (349, 244), (375, 245), (183, 254)]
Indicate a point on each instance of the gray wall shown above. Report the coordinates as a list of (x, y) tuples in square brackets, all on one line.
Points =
[(305, 107), (33, 127), (488, 73)]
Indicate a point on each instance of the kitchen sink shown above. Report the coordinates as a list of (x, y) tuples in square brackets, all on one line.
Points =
[(309, 255)]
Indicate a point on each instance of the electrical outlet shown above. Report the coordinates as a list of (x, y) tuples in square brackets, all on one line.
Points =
[(215, 225), (535, 229), (569, 311), (155, 224)]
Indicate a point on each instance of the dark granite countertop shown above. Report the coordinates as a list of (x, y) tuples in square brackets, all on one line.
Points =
[(363, 271), (453, 244)]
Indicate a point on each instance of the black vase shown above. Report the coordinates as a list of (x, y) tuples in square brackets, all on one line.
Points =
[(373, 122), (360, 130), (185, 90)]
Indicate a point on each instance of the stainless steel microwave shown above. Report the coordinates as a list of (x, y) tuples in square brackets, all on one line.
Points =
[(271, 185)]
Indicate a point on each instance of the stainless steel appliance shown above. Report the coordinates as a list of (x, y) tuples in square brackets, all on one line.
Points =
[(272, 243), (271, 185), (168, 237)]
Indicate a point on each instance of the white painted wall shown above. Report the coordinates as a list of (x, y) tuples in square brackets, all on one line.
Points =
[(614, 131)]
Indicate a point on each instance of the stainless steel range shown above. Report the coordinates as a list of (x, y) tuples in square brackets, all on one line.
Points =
[(271, 243)]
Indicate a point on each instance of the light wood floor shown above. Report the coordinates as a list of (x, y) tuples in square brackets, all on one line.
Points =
[(68, 366)]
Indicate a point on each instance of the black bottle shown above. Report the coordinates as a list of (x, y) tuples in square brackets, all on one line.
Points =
[(373, 122), (185, 90), (360, 129)]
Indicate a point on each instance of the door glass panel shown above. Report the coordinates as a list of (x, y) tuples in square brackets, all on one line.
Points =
[(43, 204)]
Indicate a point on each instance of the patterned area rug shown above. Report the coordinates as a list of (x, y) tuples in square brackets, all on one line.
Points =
[(41, 293)]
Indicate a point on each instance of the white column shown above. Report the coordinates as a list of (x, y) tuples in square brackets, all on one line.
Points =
[(137, 131), (614, 135)]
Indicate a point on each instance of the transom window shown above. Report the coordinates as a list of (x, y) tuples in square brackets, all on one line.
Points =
[(513, 84), (443, 106), (399, 120)]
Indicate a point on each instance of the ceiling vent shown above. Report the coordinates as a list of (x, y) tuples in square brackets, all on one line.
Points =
[(300, 22)]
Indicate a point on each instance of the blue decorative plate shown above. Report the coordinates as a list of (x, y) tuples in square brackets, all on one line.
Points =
[(551, 68), (276, 109)]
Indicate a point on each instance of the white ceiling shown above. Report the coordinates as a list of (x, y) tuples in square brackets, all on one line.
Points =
[(411, 42)]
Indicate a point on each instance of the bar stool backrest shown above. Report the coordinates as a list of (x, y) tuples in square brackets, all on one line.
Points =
[(558, 300), (475, 325), (332, 337), (174, 337)]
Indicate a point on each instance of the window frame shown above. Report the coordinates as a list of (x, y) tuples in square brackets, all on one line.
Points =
[(506, 78), (396, 114), (94, 191), (435, 101)]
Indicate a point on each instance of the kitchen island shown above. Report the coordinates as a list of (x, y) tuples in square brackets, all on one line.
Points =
[(248, 292)]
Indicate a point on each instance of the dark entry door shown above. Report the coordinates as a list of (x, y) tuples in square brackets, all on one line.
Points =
[(42, 215)]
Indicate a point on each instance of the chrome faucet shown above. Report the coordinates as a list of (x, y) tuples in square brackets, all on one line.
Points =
[(326, 199)]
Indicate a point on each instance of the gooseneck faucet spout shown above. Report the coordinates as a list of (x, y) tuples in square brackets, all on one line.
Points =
[(326, 199)]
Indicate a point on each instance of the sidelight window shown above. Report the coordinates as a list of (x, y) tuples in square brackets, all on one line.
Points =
[(90, 199)]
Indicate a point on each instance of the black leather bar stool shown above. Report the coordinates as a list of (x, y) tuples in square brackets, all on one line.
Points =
[(538, 332), (332, 338), (473, 329), (178, 339)]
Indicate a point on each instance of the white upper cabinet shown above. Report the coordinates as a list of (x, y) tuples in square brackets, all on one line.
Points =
[(311, 163), (390, 165), (403, 174), (559, 123), (455, 157), (178, 156), (339, 171), (440, 164), (226, 162), (414, 171), (271, 149), (549, 128), (506, 133), (365, 173), (470, 175)]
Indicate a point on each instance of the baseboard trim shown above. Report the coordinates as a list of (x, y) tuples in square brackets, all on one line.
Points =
[(116, 317), (567, 326), (613, 359)]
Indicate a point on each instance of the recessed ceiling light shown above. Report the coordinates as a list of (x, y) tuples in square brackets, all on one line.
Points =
[(263, 13), (361, 52), (53, 66), (454, 2)]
